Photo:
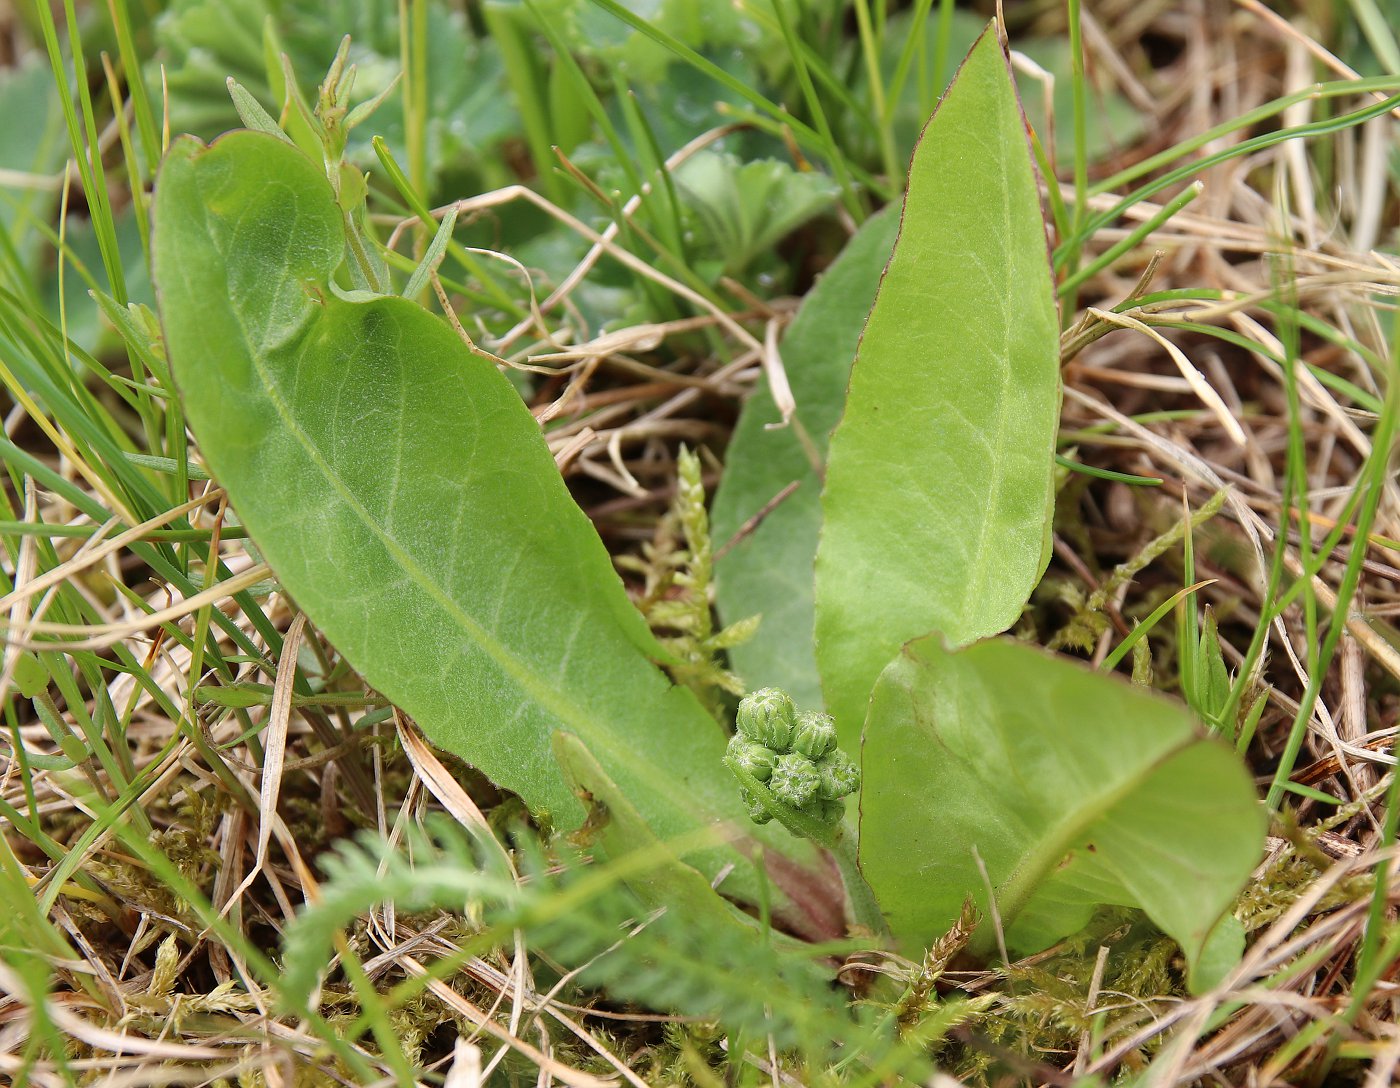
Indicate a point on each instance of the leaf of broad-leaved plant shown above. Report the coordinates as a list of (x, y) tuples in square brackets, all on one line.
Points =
[(1075, 788), (744, 209), (661, 878), (770, 571), (662, 881), (406, 499), (938, 492)]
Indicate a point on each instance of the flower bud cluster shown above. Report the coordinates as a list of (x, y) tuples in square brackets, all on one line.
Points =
[(794, 755)]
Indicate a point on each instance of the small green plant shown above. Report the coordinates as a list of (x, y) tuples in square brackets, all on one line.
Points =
[(991, 770), (924, 823), (373, 415), (678, 592)]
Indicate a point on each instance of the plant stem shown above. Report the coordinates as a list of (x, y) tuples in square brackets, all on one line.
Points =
[(840, 842), (865, 909)]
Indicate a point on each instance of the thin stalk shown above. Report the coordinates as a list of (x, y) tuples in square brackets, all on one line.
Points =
[(913, 42), (1324, 127), (805, 134), (1059, 214), (523, 75), (135, 87), (413, 120), (1081, 155), (1189, 636), (1372, 486), (419, 207), (84, 139), (1315, 92), (865, 908), (1071, 282), (870, 51), (934, 87), (1296, 451), (1379, 30), (831, 83), (831, 151)]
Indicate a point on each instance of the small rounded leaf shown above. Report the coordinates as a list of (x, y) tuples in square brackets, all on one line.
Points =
[(815, 735)]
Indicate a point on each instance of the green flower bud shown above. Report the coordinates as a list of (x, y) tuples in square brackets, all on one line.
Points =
[(795, 780), (838, 776), (757, 813), (752, 757), (767, 717), (815, 735), (831, 813)]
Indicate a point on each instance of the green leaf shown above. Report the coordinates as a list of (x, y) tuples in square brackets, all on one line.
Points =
[(251, 112), (432, 259), (407, 499), (30, 676), (1074, 788), (660, 878), (769, 572), (1211, 688), (939, 488), (747, 208), (202, 42)]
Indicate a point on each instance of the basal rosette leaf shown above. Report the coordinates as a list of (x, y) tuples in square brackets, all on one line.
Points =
[(769, 571), (1074, 788), (405, 497), (938, 498)]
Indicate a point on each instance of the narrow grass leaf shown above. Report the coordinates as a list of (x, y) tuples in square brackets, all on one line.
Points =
[(437, 249), (939, 489), (279, 721), (1141, 630)]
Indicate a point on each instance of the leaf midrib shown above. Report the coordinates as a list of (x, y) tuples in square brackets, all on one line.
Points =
[(1013, 893), (1000, 471), (566, 711)]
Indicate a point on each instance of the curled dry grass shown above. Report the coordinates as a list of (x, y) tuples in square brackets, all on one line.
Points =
[(143, 989)]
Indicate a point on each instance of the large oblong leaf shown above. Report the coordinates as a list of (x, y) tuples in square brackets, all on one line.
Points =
[(1074, 788), (939, 487), (405, 497), (770, 571)]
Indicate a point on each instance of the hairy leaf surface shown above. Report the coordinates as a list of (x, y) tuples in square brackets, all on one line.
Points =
[(939, 490), (407, 500), (770, 570), (1074, 788)]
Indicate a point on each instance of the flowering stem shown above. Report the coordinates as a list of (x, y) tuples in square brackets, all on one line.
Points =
[(794, 819), (839, 840), (865, 909)]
